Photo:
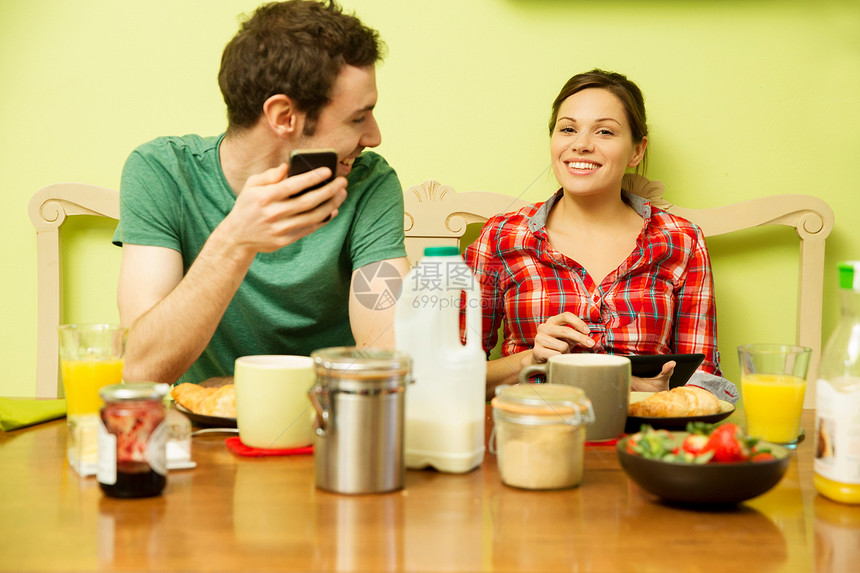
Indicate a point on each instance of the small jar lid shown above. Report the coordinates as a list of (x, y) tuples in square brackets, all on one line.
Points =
[(551, 400), (131, 391)]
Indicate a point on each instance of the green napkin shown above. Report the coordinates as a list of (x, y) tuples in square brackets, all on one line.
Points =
[(20, 412)]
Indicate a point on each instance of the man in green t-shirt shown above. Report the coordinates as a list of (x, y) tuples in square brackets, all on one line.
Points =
[(221, 255)]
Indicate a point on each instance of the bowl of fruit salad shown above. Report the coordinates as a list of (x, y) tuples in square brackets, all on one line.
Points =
[(708, 464)]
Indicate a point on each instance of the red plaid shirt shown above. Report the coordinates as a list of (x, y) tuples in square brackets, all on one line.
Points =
[(659, 301)]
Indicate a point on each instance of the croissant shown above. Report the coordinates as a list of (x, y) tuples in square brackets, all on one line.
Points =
[(680, 402), (207, 401)]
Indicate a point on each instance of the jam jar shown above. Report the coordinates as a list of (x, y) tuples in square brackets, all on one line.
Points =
[(132, 440), (540, 435)]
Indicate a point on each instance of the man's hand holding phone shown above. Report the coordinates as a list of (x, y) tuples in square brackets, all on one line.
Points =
[(274, 210), (305, 160)]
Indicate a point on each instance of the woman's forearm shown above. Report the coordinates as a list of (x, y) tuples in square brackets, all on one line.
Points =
[(505, 370)]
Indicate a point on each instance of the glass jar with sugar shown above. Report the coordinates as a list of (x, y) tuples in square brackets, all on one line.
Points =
[(540, 435)]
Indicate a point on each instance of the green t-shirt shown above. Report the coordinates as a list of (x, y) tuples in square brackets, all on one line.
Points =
[(293, 301)]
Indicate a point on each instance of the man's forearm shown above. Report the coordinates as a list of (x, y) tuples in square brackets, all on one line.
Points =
[(165, 341)]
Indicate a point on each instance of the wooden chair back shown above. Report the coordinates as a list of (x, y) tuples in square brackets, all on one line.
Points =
[(49, 207), (437, 215)]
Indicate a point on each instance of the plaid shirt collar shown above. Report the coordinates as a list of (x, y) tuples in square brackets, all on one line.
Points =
[(538, 221)]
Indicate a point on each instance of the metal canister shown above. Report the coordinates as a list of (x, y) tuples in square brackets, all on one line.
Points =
[(359, 397), (132, 437)]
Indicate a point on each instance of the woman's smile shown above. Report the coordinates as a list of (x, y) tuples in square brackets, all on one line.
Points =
[(578, 167)]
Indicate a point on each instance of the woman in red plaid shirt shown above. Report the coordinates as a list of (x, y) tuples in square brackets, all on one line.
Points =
[(597, 268)]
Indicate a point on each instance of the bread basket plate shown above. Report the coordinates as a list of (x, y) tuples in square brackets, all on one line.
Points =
[(203, 420), (634, 423)]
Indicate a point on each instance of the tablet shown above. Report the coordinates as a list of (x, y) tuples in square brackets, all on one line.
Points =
[(648, 366)]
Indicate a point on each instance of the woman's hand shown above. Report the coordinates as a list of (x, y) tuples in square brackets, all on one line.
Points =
[(558, 335), (655, 384)]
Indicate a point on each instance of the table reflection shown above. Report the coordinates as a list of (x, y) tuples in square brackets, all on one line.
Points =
[(783, 506), (517, 546), (132, 533), (266, 519), (444, 521), (347, 542), (837, 536)]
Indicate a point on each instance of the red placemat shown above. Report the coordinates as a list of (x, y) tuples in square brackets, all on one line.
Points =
[(612, 443), (236, 445)]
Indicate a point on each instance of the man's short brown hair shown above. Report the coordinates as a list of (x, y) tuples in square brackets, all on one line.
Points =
[(295, 48)]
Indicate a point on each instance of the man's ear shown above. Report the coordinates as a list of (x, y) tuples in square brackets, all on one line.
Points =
[(280, 112)]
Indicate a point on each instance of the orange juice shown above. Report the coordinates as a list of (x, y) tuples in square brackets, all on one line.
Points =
[(773, 403), (82, 380)]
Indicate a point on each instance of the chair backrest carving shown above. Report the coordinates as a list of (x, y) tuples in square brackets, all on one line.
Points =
[(436, 215)]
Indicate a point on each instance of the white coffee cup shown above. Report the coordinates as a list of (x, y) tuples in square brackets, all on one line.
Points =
[(605, 378), (272, 406)]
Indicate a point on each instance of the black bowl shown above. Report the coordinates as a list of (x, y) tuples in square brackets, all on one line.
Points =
[(714, 483)]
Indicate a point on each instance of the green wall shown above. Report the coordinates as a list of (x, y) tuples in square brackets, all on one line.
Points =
[(745, 99)]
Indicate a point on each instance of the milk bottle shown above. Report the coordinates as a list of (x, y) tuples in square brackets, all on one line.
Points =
[(445, 407)]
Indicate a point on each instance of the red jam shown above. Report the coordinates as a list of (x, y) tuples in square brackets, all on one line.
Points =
[(132, 440)]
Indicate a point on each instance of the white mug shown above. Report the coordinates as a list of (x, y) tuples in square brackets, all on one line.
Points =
[(272, 406)]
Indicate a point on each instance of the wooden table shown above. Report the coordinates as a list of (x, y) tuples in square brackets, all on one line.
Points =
[(264, 514)]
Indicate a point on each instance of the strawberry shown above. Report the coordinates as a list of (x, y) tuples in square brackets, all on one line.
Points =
[(728, 444), (695, 444)]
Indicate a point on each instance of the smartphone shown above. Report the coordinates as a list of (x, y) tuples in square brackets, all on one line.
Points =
[(304, 160)]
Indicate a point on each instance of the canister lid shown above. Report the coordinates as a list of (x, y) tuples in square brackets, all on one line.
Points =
[(541, 400), (352, 362), (131, 391)]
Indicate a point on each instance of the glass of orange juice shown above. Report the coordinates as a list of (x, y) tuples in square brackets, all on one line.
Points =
[(773, 384), (90, 357)]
